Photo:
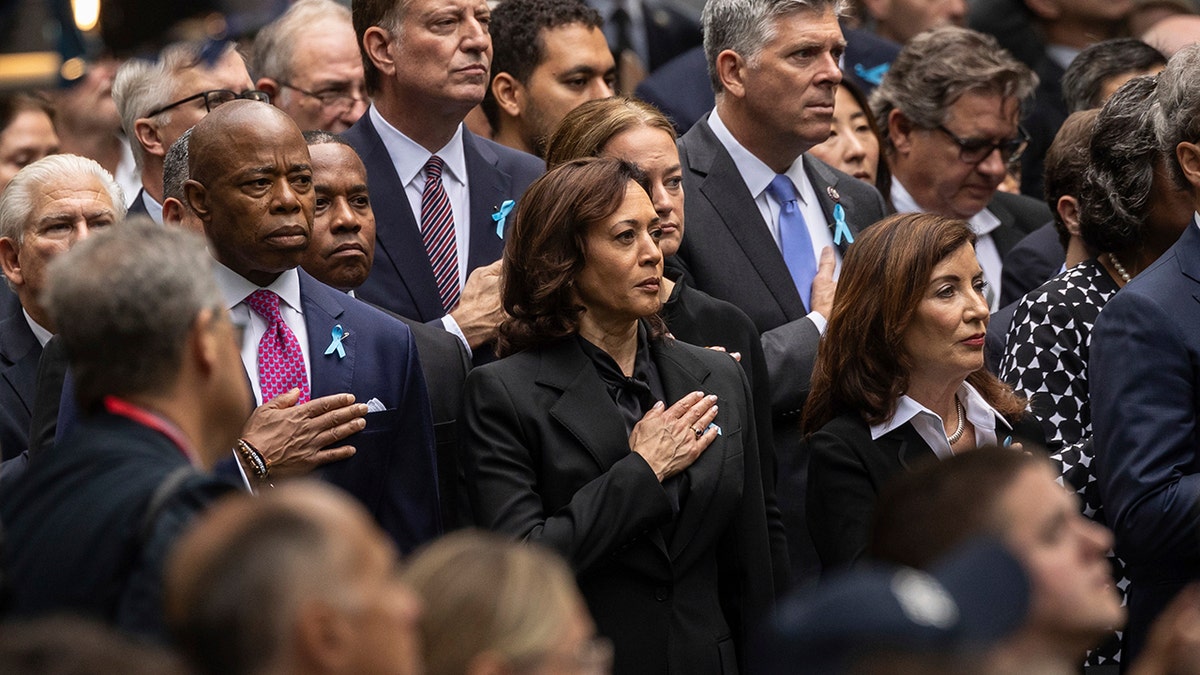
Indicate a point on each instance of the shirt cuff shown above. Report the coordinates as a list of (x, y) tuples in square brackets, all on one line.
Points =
[(819, 321), (451, 327)]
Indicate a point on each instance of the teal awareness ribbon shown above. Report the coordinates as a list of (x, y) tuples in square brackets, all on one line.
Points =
[(336, 346), (501, 215), (840, 229)]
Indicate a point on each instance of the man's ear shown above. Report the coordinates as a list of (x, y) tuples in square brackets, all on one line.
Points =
[(900, 131), (731, 69), (324, 638), (510, 94), (148, 136), (377, 43), (270, 86), (203, 338), (1068, 210), (1046, 10), (9, 262), (197, 198), (1189, 160)]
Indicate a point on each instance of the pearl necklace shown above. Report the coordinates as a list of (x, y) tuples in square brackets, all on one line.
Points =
[(1119, 267), (962, 423)]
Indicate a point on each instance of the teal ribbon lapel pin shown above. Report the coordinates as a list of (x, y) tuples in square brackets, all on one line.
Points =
[(501, 215), (338, 336)]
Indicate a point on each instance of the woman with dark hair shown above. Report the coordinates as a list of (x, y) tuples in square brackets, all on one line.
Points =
[(631, 454), (637, 132), (26, 133), (853, 144), (899, 377)]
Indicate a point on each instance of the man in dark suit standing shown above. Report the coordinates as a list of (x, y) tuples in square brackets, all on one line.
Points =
[(1144, 374), (156, 366), (48, 207), (442, 194), (251, 185), (949, 147), (340, 255), (760, 213)]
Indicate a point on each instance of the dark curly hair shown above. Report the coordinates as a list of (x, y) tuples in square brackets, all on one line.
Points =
[(517, 44), (545, 249)]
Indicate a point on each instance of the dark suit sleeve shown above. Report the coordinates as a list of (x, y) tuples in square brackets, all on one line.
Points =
[(504, 479), (1143, 394), (790, 352), (840, 501)]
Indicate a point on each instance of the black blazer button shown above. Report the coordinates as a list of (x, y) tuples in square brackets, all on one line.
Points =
[(661, 593)]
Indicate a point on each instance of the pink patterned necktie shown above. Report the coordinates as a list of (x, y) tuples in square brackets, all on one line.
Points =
[(280, 361), (437, 231)]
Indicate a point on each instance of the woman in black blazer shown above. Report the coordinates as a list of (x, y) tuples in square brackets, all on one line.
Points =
[(631, 454), (899, 377)]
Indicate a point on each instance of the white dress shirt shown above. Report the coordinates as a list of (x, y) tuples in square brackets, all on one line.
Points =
[(758, 176), (931, 427), (153, 208), (43, 336), (409, 158), (982, 224)]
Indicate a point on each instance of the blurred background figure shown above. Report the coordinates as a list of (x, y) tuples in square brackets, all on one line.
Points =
[(76, 646), (899, 379), (299, 580), (307, 60), (900, 20), (27, 133), (495, 606)]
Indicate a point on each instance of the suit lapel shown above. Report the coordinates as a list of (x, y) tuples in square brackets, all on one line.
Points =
[(488, 187), (1007, 235), (1187, 252), (682, 374), (725, 189), (906, 445), (825, 182), (398, 240), (19, 353), (330, 374)]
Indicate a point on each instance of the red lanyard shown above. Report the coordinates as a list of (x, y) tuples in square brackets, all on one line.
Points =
[(117, 406)]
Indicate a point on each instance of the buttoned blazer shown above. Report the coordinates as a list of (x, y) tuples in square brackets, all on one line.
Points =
[(401, 278), (1144, 377), (394, 469), (19, 354), (548, 460)]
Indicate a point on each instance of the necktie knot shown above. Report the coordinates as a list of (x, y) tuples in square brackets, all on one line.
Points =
[(433, 168), (783, 192), (265, 304)]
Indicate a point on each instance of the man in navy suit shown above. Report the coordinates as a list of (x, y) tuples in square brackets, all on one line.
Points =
[(251, 185), (769, 112), (426, 65), (1144, 375), (48, 207)]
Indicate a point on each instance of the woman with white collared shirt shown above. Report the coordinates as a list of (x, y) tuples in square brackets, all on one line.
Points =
[(900, 377)]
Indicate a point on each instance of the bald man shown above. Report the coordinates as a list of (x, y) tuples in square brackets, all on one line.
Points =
[(252, 188)]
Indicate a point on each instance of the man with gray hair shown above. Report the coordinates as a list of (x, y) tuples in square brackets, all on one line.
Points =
[(159, 100), (761, 212), (949, 146), (48, 207), (308, 61), (157, 368), (1144, 376)]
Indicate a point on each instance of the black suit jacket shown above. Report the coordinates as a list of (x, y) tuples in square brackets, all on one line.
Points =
[(138, 207), (19, 354), (548, 460), (78, 514), (729, 253), (1033, 261), (402, 279), (848, 470)]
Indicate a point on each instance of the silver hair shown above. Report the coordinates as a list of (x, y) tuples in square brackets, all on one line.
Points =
[(49, 173), (140, 86), (275, 44), (745, 26), (938, 67), (1177, 108), (123, 301), (175, 168)]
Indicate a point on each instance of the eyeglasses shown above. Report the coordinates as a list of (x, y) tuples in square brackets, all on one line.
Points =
[(214, 98), (975, 150), (338, 99)]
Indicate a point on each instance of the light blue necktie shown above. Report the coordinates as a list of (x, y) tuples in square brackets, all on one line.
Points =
[(794, 239)]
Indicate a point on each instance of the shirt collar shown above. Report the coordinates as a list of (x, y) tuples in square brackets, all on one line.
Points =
[(754, 171), (41, 334), (978, 411), (234, 287), (153, 208), (981, 223), (409, 157)]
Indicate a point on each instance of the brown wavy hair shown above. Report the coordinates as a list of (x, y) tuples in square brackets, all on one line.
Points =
[(546, 249), (587, 129), (861, 364)]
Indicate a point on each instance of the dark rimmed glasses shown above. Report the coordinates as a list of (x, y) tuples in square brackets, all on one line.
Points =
[(214, 98), (975, 150), (333, 99)]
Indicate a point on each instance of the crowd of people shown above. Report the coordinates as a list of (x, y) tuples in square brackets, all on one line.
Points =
[(370, 342)]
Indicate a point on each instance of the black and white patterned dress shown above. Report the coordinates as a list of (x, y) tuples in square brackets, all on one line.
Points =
[(1046, 360)]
